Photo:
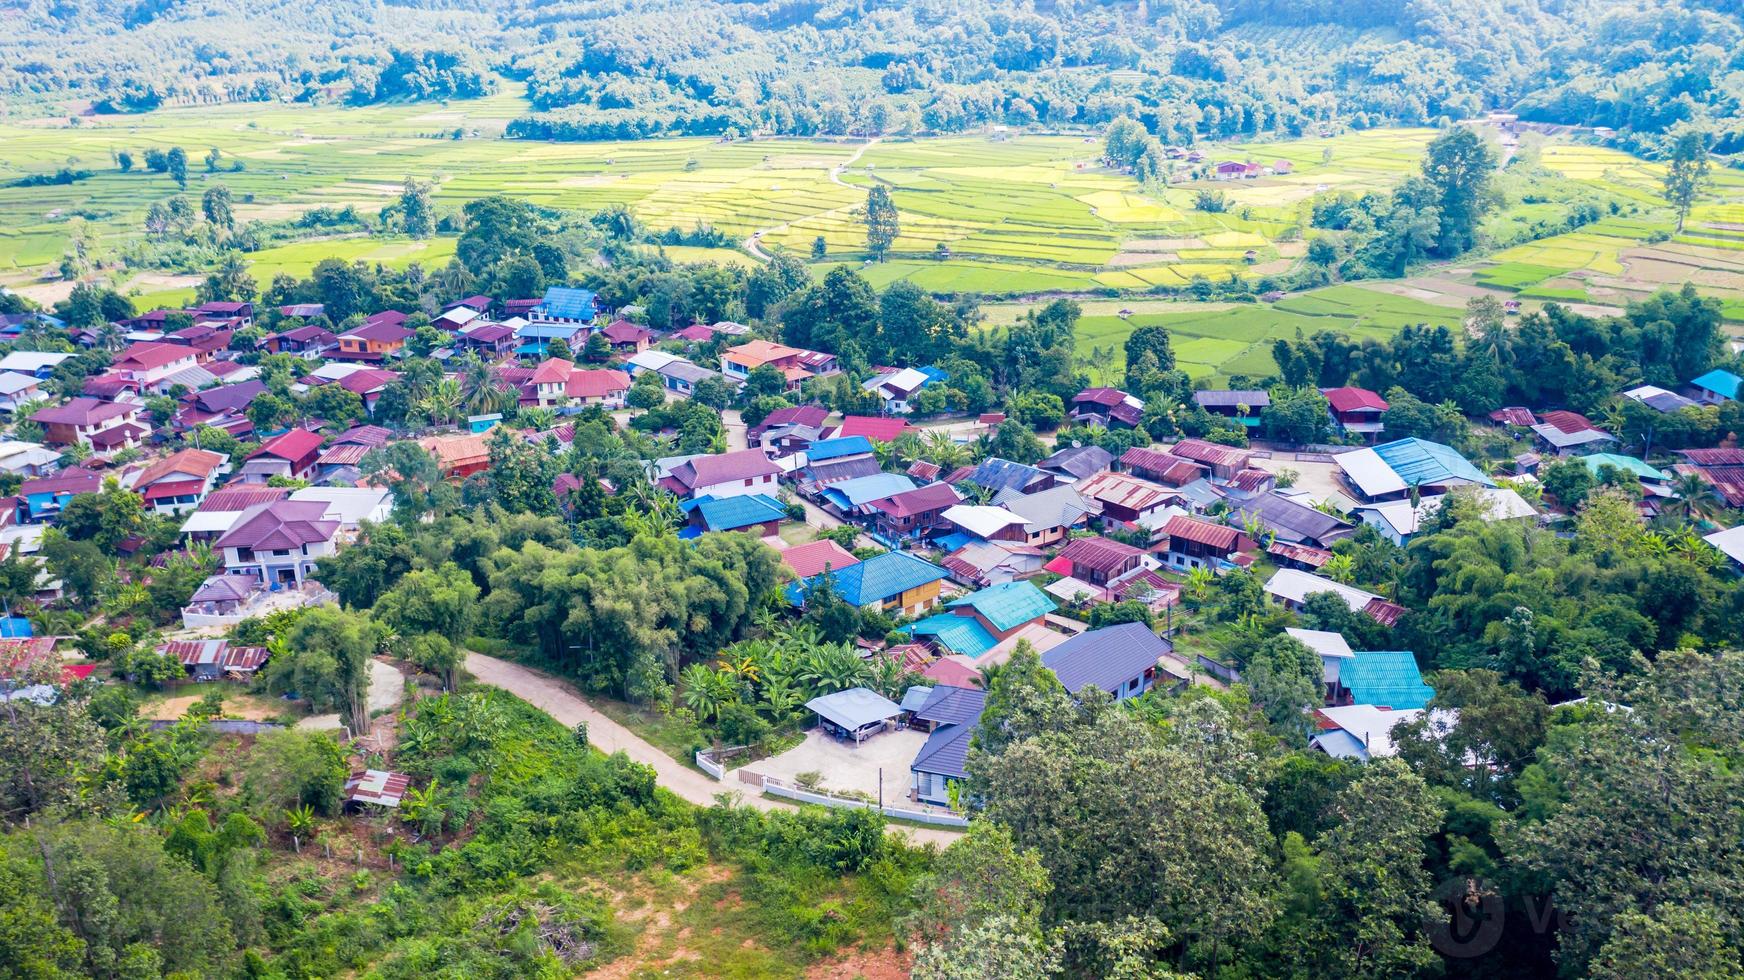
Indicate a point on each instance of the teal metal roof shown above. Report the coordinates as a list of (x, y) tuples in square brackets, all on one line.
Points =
[(826, 449), (1720, 382), (880, 577), (732, 513), (1008, 605), (1388, 678), (1627, 464), (1420, 462), (959, 634), (568, 302)]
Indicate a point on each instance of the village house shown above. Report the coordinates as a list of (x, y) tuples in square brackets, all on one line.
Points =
[(1291, 588), (374, 341), (99, 425), (795, 364), (1074, 463), (985, 523), (1723, 469), (897, 388), (224, 506), (487, 340), (224, 407), (144, 367), (42, 498), (1162, 468), (950, 714), (1123, 660), (1659, 399), (1223, 462), (1288, 520), (1566, 433), (835, 460), (816, 557), (177, 483), (734, 474), (1241, 406), (1109, 408), (290, 455), (854, 499), (871, 426), (977, 564), (458, 456), (1125, 499), (786, 431), (1048, 516), (17, 390), (352, 507), (626, 337), (755, 513), (40, 364), (564, 305), (211, 660), (1716, 386), (977, 623), (1190, 543), (995, 475), (1394, 470), (682, 377), (278, 543), (894, 582), (1097, 560), (1356, 411), (914, 515), (27, 458)]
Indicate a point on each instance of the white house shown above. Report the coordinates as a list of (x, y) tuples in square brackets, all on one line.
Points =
[(280, 542)]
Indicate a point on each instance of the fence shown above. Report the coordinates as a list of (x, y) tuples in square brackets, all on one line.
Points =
[(714, 761), (937, 818), (1215, 669), (710, 766)]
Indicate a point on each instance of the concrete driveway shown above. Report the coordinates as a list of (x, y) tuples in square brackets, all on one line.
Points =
[(849, 767)]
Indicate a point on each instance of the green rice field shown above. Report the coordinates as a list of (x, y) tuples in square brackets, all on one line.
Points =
[(1017, 216)]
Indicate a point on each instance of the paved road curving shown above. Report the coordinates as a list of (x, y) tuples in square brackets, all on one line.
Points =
[(557, 699)]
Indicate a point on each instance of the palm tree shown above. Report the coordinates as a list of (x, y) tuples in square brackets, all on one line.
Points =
[(943, 450), (538, 419), (1691, 490), (442, 404), (834, 667), (484, 390), (1197, 588), (1339, 568)]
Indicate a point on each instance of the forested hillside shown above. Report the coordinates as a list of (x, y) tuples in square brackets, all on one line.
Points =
[(1188, 68)]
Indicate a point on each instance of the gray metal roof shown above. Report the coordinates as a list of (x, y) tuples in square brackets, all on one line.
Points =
[(854, 708), (1106, 658)]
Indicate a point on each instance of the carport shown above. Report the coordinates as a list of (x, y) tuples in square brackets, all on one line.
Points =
[(856, 713)]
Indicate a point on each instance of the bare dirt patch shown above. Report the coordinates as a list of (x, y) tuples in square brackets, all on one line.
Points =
[(245, 706), (872, 964), (1142, 258)]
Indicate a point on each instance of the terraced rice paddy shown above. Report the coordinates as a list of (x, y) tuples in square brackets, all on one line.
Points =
[(1015, 216)]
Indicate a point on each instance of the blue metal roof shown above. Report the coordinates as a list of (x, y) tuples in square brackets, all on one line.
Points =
[(837, 448), (934, 374), (1420, 462), (958, 634), (1720, 382), (953, 541), (916, 697), (877, 578), (1106, 658), (732, 513), (16, 627), (1000, 474), (547, 331), (865, 489), (1008, 605), (1388, 678), (566, 301)]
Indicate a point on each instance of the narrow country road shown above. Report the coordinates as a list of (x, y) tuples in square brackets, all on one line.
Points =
[(752, 241), (557, 699)]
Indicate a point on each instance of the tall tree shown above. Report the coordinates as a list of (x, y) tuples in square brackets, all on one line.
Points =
[(1686, 173), (882, 222), (1460, 165)]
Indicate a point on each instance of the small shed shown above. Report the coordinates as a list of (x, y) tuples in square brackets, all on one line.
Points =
[(857, 713), (376, 787)]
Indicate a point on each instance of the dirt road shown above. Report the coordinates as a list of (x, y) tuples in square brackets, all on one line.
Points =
[(752, 242), (557, 699)]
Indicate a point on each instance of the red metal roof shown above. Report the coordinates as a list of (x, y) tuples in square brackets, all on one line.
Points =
[(1106, 397), (1514, 416), (1354, 400), (1713, 457), (1566, 421), (241, 497), (377, 787), (876, 429), (185, 463), (1250, 479), (1312, 557), (807, 560), (165, 489), (1098, 554), (1200, 451), (146, 355), (552, 372), (1384, 612), (596, 383), (1201, 532), (920, 500), (292, 445)]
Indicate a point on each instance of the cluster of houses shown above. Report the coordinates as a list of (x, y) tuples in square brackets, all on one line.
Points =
[(972, 560)]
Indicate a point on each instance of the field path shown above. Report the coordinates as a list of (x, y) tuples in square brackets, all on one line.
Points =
[(557, 699), (755, 247)]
